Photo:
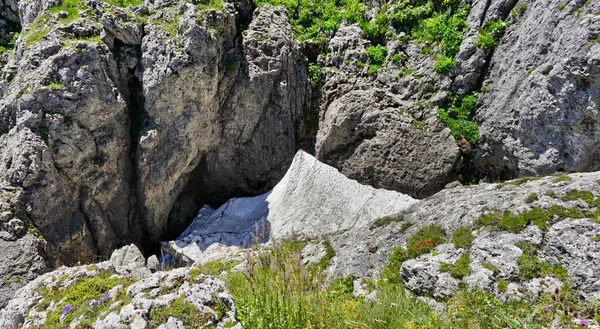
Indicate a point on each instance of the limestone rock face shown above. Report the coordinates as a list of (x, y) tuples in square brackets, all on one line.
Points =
[(221, 120), (541, 113), (67, 131)]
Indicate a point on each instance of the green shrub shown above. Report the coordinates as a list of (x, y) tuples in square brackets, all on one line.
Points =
[(377, 54), (463, 238), (425, 240), (443, 64), (314, 74), (10, 45), (376, 30), (461, 125), (489, 36), (397, 58), (444, 29)]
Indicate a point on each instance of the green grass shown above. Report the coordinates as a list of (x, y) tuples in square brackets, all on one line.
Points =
[(211, 4), (460, 268), (214, 268), (277, 291), (405, 226), (397, 58), (463, 238), (531, 198), (187, 313), (461, 125), (520, 181), (37, 30), (561, 178), (530, 266), (425, 240), (511, 222), (384, 221), (491, 267), (71, 7), (586, 196), (56, 86), (124, 3)]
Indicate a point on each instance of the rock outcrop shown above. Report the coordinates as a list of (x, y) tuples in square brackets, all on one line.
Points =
[(100, 298)]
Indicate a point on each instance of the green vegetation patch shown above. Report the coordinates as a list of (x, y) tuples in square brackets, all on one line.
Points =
[(71, 7), (516, 222), (85, 299), (531, 198), (184, 311), (124, 3), (460, 268), (443, 64), (210, 4), (10, 45), (425, 240), (377, 55), (463, 238), (384, 221), (561, 178), (530, 266), (489, 36), (586, 196), (520, 181), (491, 267), (214, 268), (459, 115)]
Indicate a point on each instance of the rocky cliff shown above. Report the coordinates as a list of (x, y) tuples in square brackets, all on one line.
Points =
[(120, 119)]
